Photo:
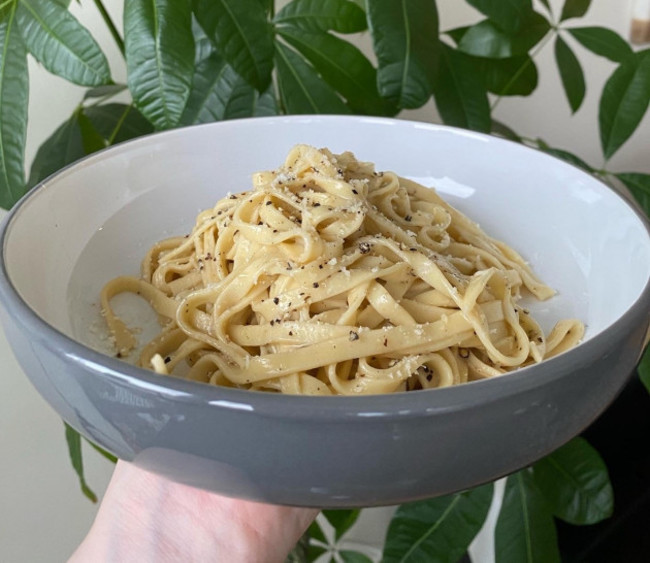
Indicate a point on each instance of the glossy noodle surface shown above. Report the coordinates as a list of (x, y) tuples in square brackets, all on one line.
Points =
[(329, 277)]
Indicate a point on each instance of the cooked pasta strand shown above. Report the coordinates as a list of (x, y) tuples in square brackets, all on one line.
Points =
[(331, 278)]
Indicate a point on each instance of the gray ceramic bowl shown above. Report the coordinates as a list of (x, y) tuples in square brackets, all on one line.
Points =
[(93, 221)]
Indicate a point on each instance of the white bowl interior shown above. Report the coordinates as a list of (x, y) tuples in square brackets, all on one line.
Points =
[(96, 219)]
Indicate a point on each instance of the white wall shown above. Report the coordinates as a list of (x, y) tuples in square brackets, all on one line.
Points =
[(43, 514)]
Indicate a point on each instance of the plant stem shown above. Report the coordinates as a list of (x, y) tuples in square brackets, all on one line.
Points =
[(111, 26), (118, 125), (100, 101), (515, 76), (604, 175)]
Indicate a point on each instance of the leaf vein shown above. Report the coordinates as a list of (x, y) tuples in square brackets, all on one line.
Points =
[(432, 529), (51, 31), (5, 49), (297, 77), (526, 517), (226, 6)]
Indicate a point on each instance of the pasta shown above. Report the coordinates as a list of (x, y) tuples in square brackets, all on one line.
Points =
[(331, 278)]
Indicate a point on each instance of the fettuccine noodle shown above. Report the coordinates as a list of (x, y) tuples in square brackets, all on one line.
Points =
[(331, 278)]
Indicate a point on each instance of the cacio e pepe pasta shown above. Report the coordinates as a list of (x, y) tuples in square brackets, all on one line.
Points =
[(329, 277)]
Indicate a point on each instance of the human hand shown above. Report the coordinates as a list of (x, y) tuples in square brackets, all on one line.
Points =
[(145, 517)]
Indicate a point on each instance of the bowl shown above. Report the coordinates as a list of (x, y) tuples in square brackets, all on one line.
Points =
[(94, 220)]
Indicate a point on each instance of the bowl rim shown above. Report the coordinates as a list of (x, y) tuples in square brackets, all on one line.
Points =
[(393, 405)]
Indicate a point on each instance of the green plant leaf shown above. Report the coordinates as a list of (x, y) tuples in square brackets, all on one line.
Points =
[(644, 365), (573, 79), (242, 34), (159, 57), (91, 139), (73, 438), (514, 76), (118, 122), (574, 9), (263, 104), (525, 531), (204, 105), (104, 91), (504, 131), (268, 5), (486, 39), (66, 144), (208, 99), (639, 184), (603, 42), (624, 102), (457, 33), (565, 155), (406, 41), (202, 44), (302, 90), (101, 451), (341, 520), (14, 95), (575, 483), (341, 16), (353, 556), (508, 15), (218, 93), (318, 543), (343, 66), (60, 43), (437, 530), (460, 95), (61, 148), (315, 551), (316, 533)]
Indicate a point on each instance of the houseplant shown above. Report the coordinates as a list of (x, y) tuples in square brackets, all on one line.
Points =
[(194, 62)]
